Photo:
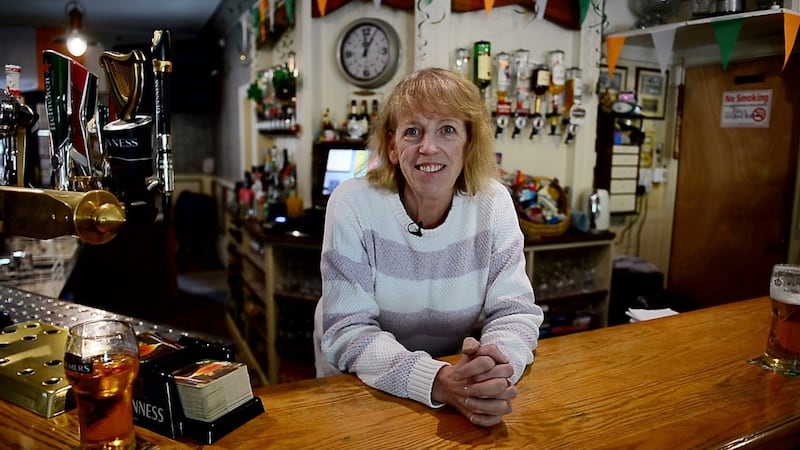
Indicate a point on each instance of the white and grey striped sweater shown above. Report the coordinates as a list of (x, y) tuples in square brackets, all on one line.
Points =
[(392, 301)]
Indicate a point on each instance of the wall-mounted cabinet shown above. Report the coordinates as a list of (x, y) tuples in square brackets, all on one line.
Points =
[(619, 138)]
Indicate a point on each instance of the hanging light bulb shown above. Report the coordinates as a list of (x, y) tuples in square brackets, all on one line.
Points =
[(76, 43)]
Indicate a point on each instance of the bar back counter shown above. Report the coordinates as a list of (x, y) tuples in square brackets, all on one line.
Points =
[(678, 382)]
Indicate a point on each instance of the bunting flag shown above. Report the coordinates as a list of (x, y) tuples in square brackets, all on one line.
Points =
[(663, 41), (321, 4), (377, 3), (790, 24), (541, 7), (613, 49), (727, 33), (271, 6), (289, 4), (584, 8), (487, 6), (263, 5)]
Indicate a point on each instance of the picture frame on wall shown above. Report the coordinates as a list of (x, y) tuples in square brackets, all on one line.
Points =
[(651, 92), (615, 84)]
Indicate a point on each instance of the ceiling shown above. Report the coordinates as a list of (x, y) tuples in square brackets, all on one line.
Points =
[(114, 21)]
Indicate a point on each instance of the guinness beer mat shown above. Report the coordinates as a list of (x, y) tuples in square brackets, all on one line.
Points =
[(32, 367)]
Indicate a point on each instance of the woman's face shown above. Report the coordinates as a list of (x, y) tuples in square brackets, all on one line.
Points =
[(430, 153)]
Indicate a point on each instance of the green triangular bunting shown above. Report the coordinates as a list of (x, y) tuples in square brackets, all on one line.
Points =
[(584, 8), (727, 32)]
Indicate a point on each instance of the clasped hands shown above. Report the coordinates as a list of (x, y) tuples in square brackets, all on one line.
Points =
[(479, 385)]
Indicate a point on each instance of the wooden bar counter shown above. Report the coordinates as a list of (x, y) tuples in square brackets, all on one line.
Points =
[(678, 382)]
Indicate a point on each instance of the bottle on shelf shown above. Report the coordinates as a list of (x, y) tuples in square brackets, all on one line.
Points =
[(353, 122), (363, 119), (373, 114), (328, 132)]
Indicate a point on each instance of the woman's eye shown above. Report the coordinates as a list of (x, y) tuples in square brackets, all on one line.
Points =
[(411, 132), (449, 129)]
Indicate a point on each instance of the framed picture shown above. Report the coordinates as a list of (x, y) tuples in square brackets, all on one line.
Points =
[(651, 91), (615, 84)]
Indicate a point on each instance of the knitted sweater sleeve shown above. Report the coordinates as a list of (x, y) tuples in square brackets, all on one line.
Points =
[(352, 339), (512, 318)]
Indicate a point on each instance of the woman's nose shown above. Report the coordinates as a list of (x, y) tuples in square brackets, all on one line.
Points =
[(428, 145)]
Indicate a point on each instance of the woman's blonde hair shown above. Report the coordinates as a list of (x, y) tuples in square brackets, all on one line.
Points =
[(435, 92)]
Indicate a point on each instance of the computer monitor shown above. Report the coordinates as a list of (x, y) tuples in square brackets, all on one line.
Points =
[(333, 162)]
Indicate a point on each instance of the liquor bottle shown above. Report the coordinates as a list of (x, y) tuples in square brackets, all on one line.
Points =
[(503, 75), (373, 115), (521, 72), (328, 132), (573, 87), (540, 83), (353, 124), (557, 72), (363, 119), (461, 65), (13, 73), (482, 73)]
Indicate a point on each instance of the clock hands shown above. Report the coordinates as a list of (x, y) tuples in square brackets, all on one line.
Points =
[(368, 42)]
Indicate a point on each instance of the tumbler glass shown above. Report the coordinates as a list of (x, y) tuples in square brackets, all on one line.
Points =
[(101, 362)]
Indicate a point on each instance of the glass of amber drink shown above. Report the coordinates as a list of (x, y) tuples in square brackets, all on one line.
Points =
[(783, 345), (101, 361)]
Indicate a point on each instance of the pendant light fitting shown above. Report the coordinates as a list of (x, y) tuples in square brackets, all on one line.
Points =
[(76, 42)]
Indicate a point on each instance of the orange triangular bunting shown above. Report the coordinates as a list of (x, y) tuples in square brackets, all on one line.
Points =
[(321, 4), (487, 6), (790, 24), (614, 46)]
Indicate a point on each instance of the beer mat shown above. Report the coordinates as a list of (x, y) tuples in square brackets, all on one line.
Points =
[(639, 315), (209, 389), (759, 361), (32, 367)]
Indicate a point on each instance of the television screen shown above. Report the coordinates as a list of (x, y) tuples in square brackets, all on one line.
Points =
[(341, 165), (334, 162)]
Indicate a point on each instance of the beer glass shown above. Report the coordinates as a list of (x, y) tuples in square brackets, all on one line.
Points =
[(101, 361), (783, 345)]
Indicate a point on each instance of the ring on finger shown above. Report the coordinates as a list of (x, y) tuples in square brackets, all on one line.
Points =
[(508, 380)]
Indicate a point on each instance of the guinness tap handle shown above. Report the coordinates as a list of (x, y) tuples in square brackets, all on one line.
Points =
[(162, 73)]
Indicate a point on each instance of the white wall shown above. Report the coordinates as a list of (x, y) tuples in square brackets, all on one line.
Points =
[(322, 86)]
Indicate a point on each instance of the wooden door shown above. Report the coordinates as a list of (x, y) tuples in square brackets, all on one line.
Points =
[(735, 185)]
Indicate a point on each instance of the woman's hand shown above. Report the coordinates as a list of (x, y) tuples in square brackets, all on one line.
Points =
[(478, 386)]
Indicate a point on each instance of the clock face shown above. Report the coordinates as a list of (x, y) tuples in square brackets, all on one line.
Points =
[(368, 52)]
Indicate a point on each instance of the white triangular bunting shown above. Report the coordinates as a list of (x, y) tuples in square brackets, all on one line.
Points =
[(663, 41), (377, 3), (541, 6)]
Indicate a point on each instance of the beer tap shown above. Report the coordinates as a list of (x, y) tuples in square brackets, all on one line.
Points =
[(162, 72)]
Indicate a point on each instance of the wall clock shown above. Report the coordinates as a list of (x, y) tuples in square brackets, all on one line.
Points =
[(368, 51)]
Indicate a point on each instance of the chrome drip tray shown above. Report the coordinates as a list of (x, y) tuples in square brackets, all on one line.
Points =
[(31, 367)]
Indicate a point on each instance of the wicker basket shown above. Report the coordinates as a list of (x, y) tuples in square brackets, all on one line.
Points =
[(536, 230)]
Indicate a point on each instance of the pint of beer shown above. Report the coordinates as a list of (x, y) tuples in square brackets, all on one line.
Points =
[(783, 345), (101, 362)]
